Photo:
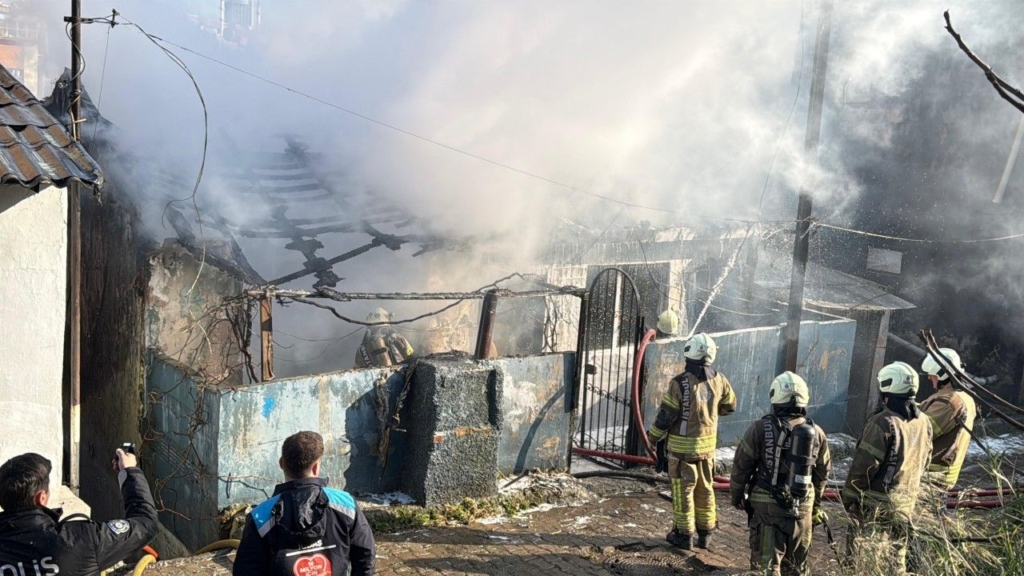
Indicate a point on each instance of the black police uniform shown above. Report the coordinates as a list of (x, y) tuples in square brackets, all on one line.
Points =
[(306, 529), (34, 542)]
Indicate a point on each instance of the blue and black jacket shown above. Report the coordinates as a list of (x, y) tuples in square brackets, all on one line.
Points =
[(306, 528)]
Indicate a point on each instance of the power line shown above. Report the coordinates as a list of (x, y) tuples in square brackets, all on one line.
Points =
[(916, 240)]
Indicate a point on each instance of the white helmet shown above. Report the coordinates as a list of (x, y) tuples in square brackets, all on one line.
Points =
[(789, 387), (701, 347), (668, 322), (898, 378), (933, 368), (379, 315)]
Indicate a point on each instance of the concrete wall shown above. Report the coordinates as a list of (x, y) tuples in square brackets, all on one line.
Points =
[(33, 304), (750, 359), (341, 406), (536, 410)]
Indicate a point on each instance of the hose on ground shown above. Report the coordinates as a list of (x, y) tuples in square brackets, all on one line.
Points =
[(142, 564), (721, 484), (219, 545)]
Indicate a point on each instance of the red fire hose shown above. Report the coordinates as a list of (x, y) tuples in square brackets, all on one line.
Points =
[(638, 414)]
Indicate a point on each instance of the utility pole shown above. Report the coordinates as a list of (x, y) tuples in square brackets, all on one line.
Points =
[(75, 262), (801, 245)]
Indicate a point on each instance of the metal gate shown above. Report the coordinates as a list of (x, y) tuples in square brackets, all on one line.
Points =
[(611, 325)]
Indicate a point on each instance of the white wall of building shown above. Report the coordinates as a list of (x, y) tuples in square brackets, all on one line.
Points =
[(33, 286)]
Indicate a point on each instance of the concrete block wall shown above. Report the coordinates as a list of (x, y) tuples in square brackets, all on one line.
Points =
[(453, 435), (463, 422)]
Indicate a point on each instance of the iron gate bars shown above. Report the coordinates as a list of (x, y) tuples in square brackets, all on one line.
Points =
[(607, 351)]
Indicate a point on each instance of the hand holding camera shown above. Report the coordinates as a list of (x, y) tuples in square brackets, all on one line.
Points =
[(124, 457)]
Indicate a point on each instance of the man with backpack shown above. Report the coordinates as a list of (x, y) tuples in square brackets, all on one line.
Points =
[(306, 527), (779, 476)]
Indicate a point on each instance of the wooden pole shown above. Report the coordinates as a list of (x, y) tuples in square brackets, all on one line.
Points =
[(267, 337), (801, 244)]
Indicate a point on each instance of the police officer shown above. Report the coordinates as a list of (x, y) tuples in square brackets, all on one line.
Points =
[(33, 540), (779, 476), (306, 528), (382, 345), (891, 456), (688, 416), (951, 413)]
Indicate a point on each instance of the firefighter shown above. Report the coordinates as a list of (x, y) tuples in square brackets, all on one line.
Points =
[(891, 457), (668, 324), (382, 345), (688, 416), (779, 477), (951, 413)]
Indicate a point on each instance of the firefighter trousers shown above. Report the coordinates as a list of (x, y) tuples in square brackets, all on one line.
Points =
[(779, 543), (693, 495)]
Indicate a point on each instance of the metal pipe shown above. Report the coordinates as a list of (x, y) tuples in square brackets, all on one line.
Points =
[(801, 244), (486, 331), (267, 337), (349, 296), (75, 265)]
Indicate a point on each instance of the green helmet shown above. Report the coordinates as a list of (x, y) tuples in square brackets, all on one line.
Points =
[(789, 387), (898, 378), (933, 368), (701, 347), (668, 322)]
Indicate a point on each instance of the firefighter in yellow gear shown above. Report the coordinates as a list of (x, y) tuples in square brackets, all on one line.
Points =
[(884, 481), (687, 422), (779, 476), (951, 414), (382, 345)]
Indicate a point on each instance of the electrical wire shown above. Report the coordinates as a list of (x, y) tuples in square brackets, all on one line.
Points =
[(916, 240), (103, 79)]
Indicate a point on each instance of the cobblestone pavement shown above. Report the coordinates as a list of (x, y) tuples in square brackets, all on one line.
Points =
[(621, 535), (618, 534)]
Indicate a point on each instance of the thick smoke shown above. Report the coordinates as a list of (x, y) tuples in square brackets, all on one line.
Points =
[(678, 106)]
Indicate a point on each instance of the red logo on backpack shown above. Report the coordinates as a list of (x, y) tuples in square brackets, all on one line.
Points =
[(315, 565)]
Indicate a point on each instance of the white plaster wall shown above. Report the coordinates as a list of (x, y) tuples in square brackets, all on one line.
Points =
[(33, 248)]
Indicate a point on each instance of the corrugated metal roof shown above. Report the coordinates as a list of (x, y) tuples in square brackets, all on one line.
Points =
[(35, 149)]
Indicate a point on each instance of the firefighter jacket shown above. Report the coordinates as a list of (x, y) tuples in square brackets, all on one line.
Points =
[(689, 413), (306, 528), (382, 348), (951, 414), (753, 464), (34, 542), (891, 456)]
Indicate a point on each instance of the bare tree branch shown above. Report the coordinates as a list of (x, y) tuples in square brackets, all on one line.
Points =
[(1010, 93)]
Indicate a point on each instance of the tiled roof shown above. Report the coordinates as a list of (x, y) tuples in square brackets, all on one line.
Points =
[(34, 147)]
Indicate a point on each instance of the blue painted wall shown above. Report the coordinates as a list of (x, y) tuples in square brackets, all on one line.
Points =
[(341, 406), (749, 359), (180, 452), (535, 412)]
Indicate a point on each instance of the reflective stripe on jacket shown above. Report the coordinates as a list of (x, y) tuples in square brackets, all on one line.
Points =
[(689, 413), (951, 413)]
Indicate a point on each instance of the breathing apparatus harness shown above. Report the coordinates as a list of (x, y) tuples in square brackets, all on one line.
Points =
[(798, 446)]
